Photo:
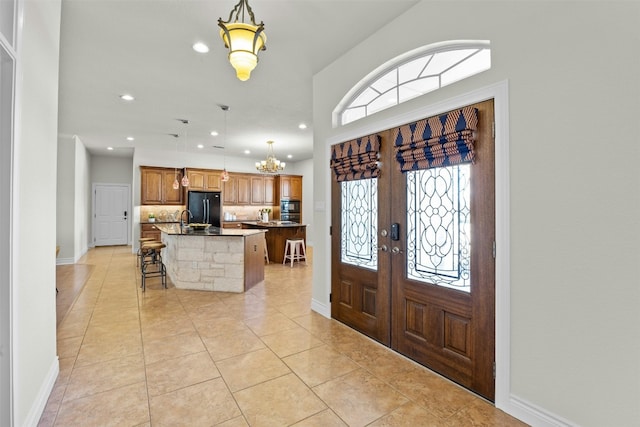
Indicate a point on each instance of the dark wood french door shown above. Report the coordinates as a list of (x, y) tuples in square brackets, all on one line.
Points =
[(413, 264)]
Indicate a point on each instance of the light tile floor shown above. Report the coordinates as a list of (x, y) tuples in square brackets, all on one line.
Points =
[(263, 358)]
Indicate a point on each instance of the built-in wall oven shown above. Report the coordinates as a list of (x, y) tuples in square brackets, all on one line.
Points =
[(290, 210)]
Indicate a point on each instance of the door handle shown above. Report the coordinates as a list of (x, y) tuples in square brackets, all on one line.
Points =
[(383, 248), (396, 250)]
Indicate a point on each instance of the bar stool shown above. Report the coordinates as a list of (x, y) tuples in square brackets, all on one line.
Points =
[(151, 264), (294, 250), (142, 241), (266, 252)]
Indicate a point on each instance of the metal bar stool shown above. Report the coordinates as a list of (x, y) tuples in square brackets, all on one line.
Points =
[(294, 250), (151, 264)]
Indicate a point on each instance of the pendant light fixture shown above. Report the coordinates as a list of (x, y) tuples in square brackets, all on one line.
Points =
[(224, 176), (271, 164), (176, 184), (185, 178), (243, 39)]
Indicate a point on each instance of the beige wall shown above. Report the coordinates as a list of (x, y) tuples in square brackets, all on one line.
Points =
[(574, 201), (65, 213), (111, 170), (82, 200), (35, 364)]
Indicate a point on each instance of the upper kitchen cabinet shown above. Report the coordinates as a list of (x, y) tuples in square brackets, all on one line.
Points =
[(269, 191), (237, 191), (230, 190), (204, 179), (244, 189), (289, 187), (257, 190), (156, 186), (249, 189), (263, 190)]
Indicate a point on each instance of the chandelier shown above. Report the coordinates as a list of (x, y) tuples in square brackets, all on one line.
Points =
[(243, 39), (271, 165)]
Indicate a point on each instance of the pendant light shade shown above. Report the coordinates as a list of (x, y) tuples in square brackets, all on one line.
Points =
[(243, 39)]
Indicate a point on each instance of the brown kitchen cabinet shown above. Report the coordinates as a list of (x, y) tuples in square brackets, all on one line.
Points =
[(156, 185), (257, 190), (289, 187), (230, 191), (204, 179), (237, 191), (269, 191), (150, 230), (244, 189), (232, 224)]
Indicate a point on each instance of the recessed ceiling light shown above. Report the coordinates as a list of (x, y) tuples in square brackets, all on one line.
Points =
[(110, 148), (214, 133), (200, 146), (302, 126), (130, 138), (127, 97), (200, 47), (289, 156), (247, 152)]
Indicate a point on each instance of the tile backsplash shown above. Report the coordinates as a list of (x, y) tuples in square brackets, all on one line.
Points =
[(172, 212), (247, 212), (161, 212)]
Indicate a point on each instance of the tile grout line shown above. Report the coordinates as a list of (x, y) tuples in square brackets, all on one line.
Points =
[(144, 360)]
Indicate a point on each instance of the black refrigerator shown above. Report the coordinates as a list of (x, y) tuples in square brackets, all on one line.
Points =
[(205, 206)]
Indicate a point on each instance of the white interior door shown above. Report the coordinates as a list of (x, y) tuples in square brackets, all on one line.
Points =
[(111, 214)]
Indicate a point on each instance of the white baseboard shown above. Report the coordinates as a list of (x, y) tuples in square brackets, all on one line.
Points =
[(65, 261), (321, 308), (534, 415), (33, 417)]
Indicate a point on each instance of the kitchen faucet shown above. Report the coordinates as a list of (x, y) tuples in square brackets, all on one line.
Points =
[(182, 214)]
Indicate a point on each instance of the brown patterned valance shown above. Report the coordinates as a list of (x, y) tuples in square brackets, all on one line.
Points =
[(442, 140), (356, 159)]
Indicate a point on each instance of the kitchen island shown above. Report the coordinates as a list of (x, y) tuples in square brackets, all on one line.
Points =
[(213, 259), (277, 234)]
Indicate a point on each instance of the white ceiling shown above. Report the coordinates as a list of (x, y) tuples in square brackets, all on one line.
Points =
[(143, 47)]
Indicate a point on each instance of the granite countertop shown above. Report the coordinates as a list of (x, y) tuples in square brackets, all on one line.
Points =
[(274, 224), (175, 229), (159, 222)]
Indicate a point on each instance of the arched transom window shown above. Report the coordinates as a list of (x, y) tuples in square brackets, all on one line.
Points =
[(413, 74)]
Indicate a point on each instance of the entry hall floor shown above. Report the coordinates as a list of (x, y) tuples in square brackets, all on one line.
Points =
[(263, 358)]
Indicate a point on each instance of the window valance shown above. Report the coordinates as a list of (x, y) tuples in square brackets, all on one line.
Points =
[(442, 140), (356, 159)]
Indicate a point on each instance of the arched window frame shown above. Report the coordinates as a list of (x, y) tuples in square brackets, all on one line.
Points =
[(394, 65)]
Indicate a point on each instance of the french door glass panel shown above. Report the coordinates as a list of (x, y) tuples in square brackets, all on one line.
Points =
[(360, 223), (438, 226)]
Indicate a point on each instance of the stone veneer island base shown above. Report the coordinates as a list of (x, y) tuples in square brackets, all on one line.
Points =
[(213, 259)]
